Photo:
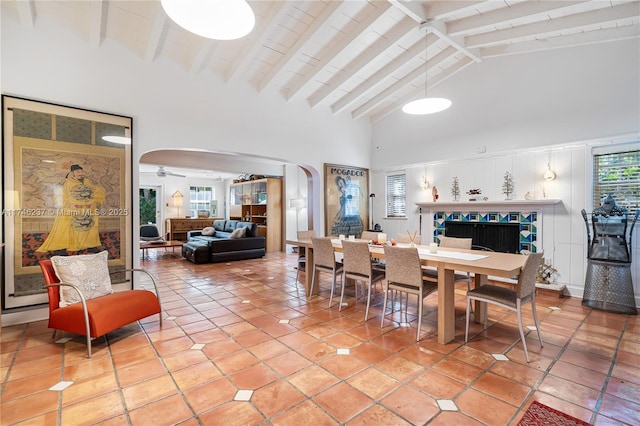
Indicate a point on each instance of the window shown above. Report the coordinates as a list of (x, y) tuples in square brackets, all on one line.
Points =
[(397, 195), (617, 174), (200, 200)]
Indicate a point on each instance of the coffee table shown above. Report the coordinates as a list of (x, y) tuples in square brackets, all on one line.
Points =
[(146, 245)]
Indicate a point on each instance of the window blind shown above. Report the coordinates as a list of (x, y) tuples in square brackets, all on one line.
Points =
[(617, 174), (397, 195)]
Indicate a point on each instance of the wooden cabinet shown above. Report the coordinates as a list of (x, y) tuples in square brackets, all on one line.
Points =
[(259, 201), (177, 228)]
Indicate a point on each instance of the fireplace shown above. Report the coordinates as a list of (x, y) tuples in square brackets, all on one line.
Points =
[(503, 237), (510, 232)]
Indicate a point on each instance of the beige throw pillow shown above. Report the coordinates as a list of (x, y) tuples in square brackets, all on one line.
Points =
[(89, 272), (209, 231), (238, 233)]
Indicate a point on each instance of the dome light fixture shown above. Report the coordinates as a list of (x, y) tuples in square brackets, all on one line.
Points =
[(122, 140), (214, 19), (426, 105)]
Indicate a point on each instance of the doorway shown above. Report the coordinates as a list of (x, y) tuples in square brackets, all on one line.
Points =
[(150, 202)]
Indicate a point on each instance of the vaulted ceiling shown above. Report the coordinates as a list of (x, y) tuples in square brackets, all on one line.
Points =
[(366, 58)]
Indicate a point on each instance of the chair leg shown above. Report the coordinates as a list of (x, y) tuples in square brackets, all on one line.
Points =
[(466, 329), (313, 281), (519, 315), (53, 336), (419, 315), (366, 314), (333, 286), (535, 319), (384, 306), (344, 280)]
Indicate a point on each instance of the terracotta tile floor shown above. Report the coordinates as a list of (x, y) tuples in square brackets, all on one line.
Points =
[(260, 334)]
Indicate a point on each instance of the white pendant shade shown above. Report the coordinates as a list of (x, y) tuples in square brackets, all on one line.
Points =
[(214, 19), (425, 106), (123, 140)]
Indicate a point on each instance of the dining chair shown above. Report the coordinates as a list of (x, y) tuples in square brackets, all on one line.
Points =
[(150, 232), (404, 274), (302, 255), (452, 242), (369, 236), (358, 266), (405, 238), (513, 300), (324, 256)]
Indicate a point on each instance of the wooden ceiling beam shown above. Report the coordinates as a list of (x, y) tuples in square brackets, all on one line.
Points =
[(554, 26)]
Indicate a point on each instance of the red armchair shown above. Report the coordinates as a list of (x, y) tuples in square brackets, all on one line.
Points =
[(96, 317)]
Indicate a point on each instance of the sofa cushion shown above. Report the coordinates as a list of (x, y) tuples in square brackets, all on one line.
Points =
[(230, 226), (209, 231), (238, 233), (252, 228), (218, 225)]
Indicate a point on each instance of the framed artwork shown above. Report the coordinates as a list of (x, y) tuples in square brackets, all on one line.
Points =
[(346, 195), (66, 191)]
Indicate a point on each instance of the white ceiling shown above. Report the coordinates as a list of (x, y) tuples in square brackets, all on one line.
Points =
[(364, 58)]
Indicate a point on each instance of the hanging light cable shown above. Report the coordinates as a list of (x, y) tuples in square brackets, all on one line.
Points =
[(426, 105)]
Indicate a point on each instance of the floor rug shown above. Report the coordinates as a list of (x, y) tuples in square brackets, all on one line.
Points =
[(540, 414)]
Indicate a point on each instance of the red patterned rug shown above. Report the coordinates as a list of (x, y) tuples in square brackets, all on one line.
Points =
[(540, 414)]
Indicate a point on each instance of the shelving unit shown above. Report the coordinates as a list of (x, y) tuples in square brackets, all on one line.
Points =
[(259, 201), (177, 228)]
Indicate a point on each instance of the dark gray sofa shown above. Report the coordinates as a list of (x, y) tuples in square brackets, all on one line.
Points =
[(220, 247)]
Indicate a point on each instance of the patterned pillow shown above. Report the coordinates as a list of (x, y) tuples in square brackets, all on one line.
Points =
[(238, 233), (89, 272), (209, 231)]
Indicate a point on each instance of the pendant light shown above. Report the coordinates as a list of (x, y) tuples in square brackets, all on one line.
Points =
[(214, 19), (426, 105)]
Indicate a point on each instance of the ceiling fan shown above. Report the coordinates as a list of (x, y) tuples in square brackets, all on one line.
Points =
[(164, 173)]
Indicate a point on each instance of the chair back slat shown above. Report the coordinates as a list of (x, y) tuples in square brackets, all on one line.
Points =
[(403, 266), (50, 277), (528, 274), (324, 253), (357, 259), (454, 242)]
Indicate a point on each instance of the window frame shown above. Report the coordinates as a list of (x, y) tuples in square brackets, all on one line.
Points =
[(196, 204), (391, 199), (597, 193)]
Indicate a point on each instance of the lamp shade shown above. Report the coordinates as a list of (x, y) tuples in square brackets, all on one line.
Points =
[(214, 19), (425, 106), (549, 175), (123, 140), (177, 199)]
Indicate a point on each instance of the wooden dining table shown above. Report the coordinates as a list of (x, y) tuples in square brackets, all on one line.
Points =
[(446, 261)]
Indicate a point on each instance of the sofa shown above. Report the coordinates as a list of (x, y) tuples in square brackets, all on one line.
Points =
[(220, 244)]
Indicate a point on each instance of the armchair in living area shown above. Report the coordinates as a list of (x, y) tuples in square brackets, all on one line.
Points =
[(81, 299)]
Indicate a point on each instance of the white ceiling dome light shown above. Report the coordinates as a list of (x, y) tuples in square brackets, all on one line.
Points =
[(426, 105), (214, 19)]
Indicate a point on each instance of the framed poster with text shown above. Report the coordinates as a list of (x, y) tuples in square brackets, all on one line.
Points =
[(346, 195), (66, 191)]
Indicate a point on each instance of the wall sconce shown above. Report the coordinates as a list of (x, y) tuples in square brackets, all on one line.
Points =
[(425, 183), (177, 200), (549, 175)]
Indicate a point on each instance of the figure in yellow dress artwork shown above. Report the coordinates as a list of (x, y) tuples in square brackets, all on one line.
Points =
[(75, 226)]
